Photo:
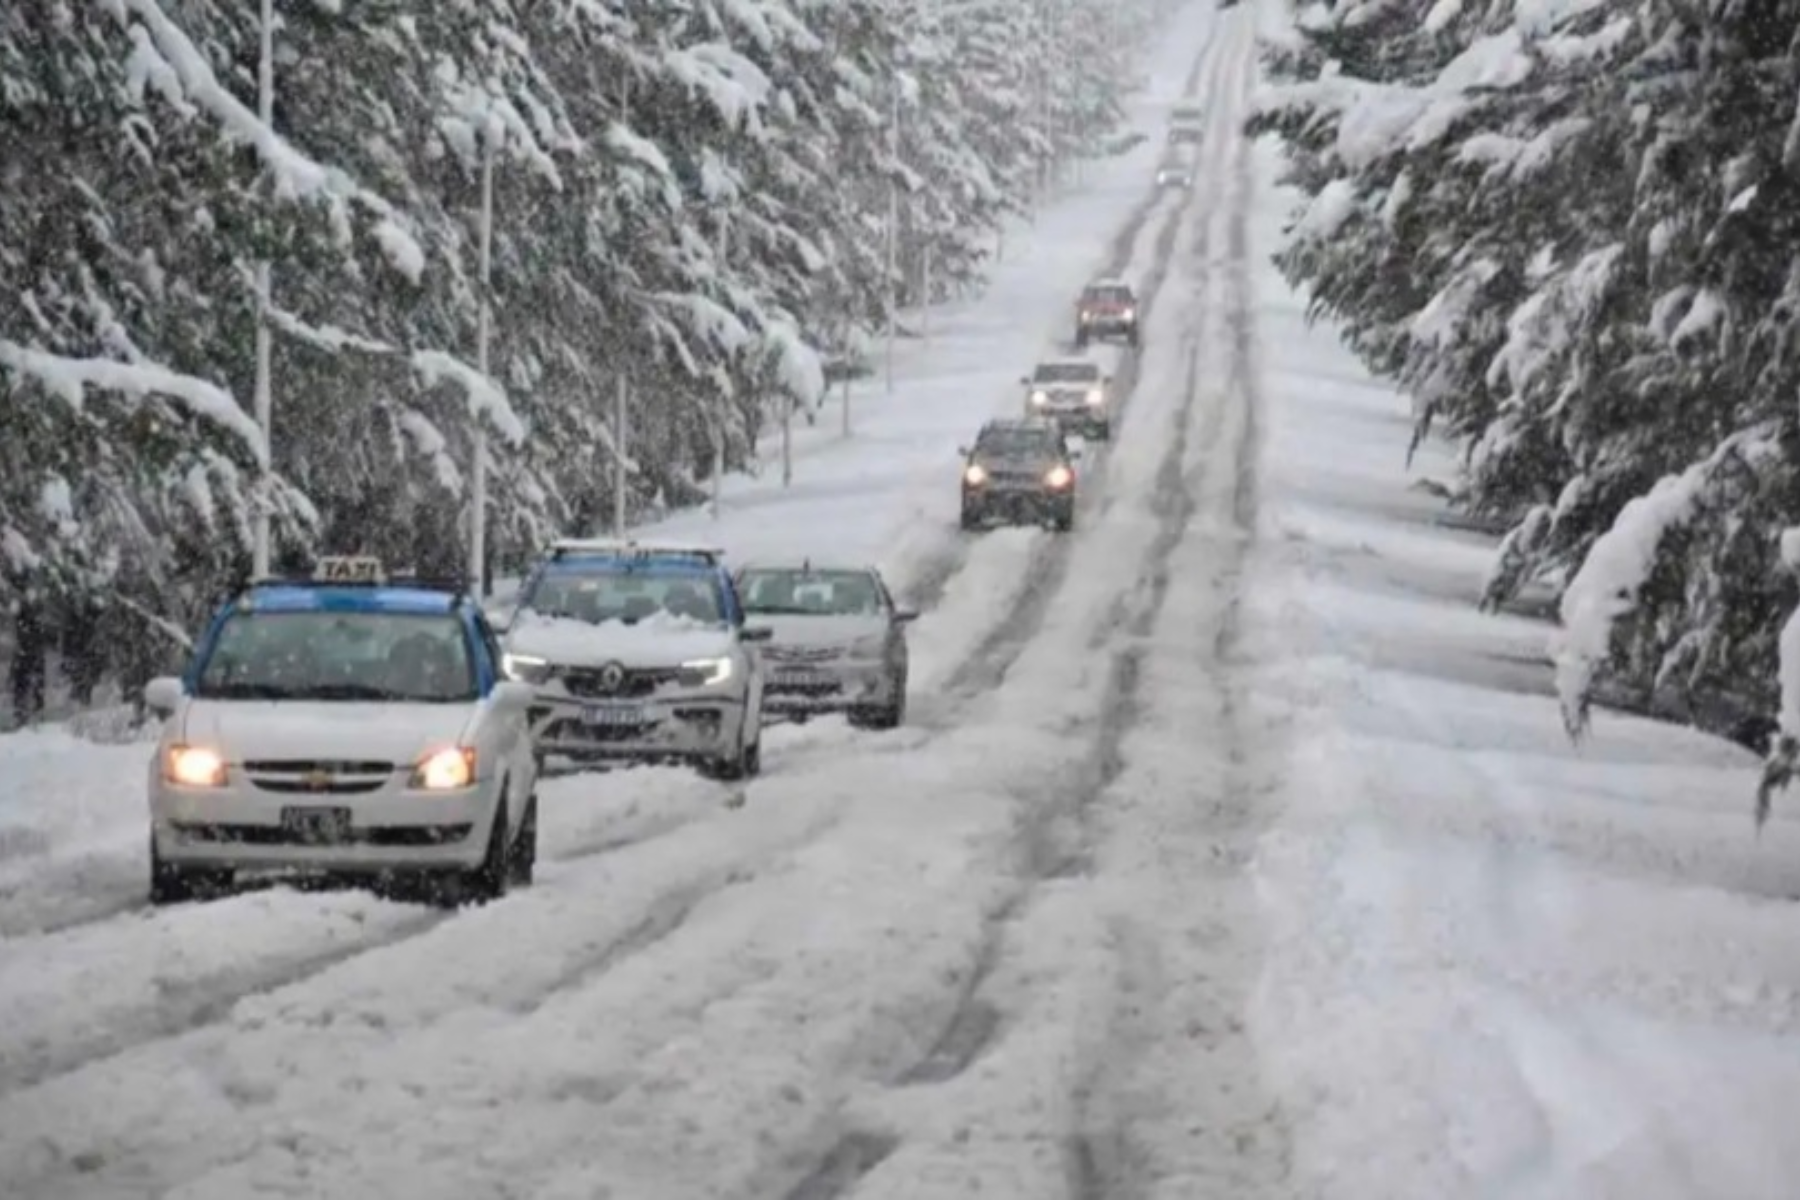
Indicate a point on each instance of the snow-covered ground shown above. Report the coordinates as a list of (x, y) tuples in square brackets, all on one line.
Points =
[(1227, 851)]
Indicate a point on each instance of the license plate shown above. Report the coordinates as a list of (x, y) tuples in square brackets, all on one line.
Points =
[(317, 826), (612, 716), (797, 675)]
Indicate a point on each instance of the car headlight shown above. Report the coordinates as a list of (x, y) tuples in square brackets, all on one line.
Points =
[(976, 475), (526, 668), (445, 770), (1040, 397), (1129, 314), (1059, 477), (705, 672), (193, 766), (1096, 397)]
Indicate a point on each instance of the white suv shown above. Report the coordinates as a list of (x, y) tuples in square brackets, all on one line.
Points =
[(639, 653)]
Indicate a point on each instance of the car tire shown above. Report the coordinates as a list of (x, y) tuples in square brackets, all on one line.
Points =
[(1133, 338), (745, 764), (1081, 339), (970, 520), (170, 884), (523, 859), (1101, 433), (888, 716), (1064, 522), (488, 881)]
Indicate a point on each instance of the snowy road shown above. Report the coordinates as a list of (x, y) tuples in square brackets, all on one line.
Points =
[(912, 965), (1227, 851)]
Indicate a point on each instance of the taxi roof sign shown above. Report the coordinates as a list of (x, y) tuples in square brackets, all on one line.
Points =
[(348, 568)]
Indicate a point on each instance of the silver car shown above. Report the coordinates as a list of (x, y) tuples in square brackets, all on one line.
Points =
[(838, 643)]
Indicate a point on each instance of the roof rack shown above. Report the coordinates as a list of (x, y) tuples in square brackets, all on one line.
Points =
[(564, 547)]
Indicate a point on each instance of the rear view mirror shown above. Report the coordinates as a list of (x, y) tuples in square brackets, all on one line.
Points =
[(904, 616), (162, 696)]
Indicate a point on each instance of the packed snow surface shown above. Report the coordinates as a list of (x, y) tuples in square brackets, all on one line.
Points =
[(1226, 850)]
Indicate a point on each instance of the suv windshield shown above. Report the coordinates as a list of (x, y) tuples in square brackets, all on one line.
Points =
[(339, 656), (614, 593), (1107, 295), (810, 593), (1066, 373), (1014, 442)]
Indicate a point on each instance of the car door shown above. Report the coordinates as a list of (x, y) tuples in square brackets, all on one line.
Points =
[(511, 732), (895, 653)]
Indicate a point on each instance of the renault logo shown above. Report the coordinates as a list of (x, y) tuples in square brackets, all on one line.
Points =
[(612, 677)]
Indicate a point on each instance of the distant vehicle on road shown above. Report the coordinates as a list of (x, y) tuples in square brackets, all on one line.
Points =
[(1019, 473), (1175, 176), (838, 642), (345, 723), (1074, 393), (1107, 309)]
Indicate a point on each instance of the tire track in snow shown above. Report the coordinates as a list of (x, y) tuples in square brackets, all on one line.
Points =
[(977, 1020), (1218, 1127)]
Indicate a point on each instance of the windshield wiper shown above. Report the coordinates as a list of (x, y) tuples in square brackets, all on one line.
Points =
[(349, 691), (243, 691)]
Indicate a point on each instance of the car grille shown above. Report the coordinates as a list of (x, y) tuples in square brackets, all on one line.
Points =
[(311, 776), (586, 682), (1015, 478), (801, 654)]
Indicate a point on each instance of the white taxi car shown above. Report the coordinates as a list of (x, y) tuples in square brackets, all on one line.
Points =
[(639, 653), (344, 724)]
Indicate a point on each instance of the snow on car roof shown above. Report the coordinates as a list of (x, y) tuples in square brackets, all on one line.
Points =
[(308, 597)]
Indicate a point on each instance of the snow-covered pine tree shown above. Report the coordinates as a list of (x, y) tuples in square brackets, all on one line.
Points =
[(1568, 232), (690, 197)]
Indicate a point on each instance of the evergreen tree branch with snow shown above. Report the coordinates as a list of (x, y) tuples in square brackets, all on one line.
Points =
[(1568, 230)]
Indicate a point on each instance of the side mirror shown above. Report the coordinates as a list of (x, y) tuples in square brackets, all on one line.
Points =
[(1106, 379), (963, 451), (905, 616), (1075, 454), (1025, 379), (511, 696), (755, 633), (163, 695)]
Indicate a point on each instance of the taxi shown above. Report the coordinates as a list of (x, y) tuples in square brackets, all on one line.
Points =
[(346, 723)]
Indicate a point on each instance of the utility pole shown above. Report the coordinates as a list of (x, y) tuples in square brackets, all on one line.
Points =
[(478, 472), (620, 458), (925, 290), (264, 400), (787, 440), (893, 226), (718, 470)]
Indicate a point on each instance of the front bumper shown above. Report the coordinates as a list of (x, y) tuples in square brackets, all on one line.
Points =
[(690, 727), (241, 826), (1018, 507), (1108, 326), (1087, 419), (828, 687)]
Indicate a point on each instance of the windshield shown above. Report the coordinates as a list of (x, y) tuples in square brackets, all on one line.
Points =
[(339, 656), (1010, 443), (1066, 373), (1107, 295), (815, 593), (620, 594)]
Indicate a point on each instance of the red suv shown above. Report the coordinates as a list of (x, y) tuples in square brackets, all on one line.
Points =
[(1108, 309)]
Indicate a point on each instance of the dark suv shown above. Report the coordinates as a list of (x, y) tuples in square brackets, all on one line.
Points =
[(1019, 473), (1108, 309)]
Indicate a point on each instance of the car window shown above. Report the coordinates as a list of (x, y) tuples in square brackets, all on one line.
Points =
[(423, 658), (774, 592), (1066, 373), (1013, 441), (616, 593), (1110, 295)]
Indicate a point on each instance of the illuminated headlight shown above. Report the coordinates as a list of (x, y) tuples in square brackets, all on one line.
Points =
[(446, 770), (526, 668), (1096, 397), (193, 766), (976, 475), (1129, 314), (1059, 477), (705, 672), (1040, 397)]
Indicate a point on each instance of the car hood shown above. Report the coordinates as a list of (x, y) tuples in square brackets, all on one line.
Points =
[(249, 730), (659, 641), (821, 631)]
